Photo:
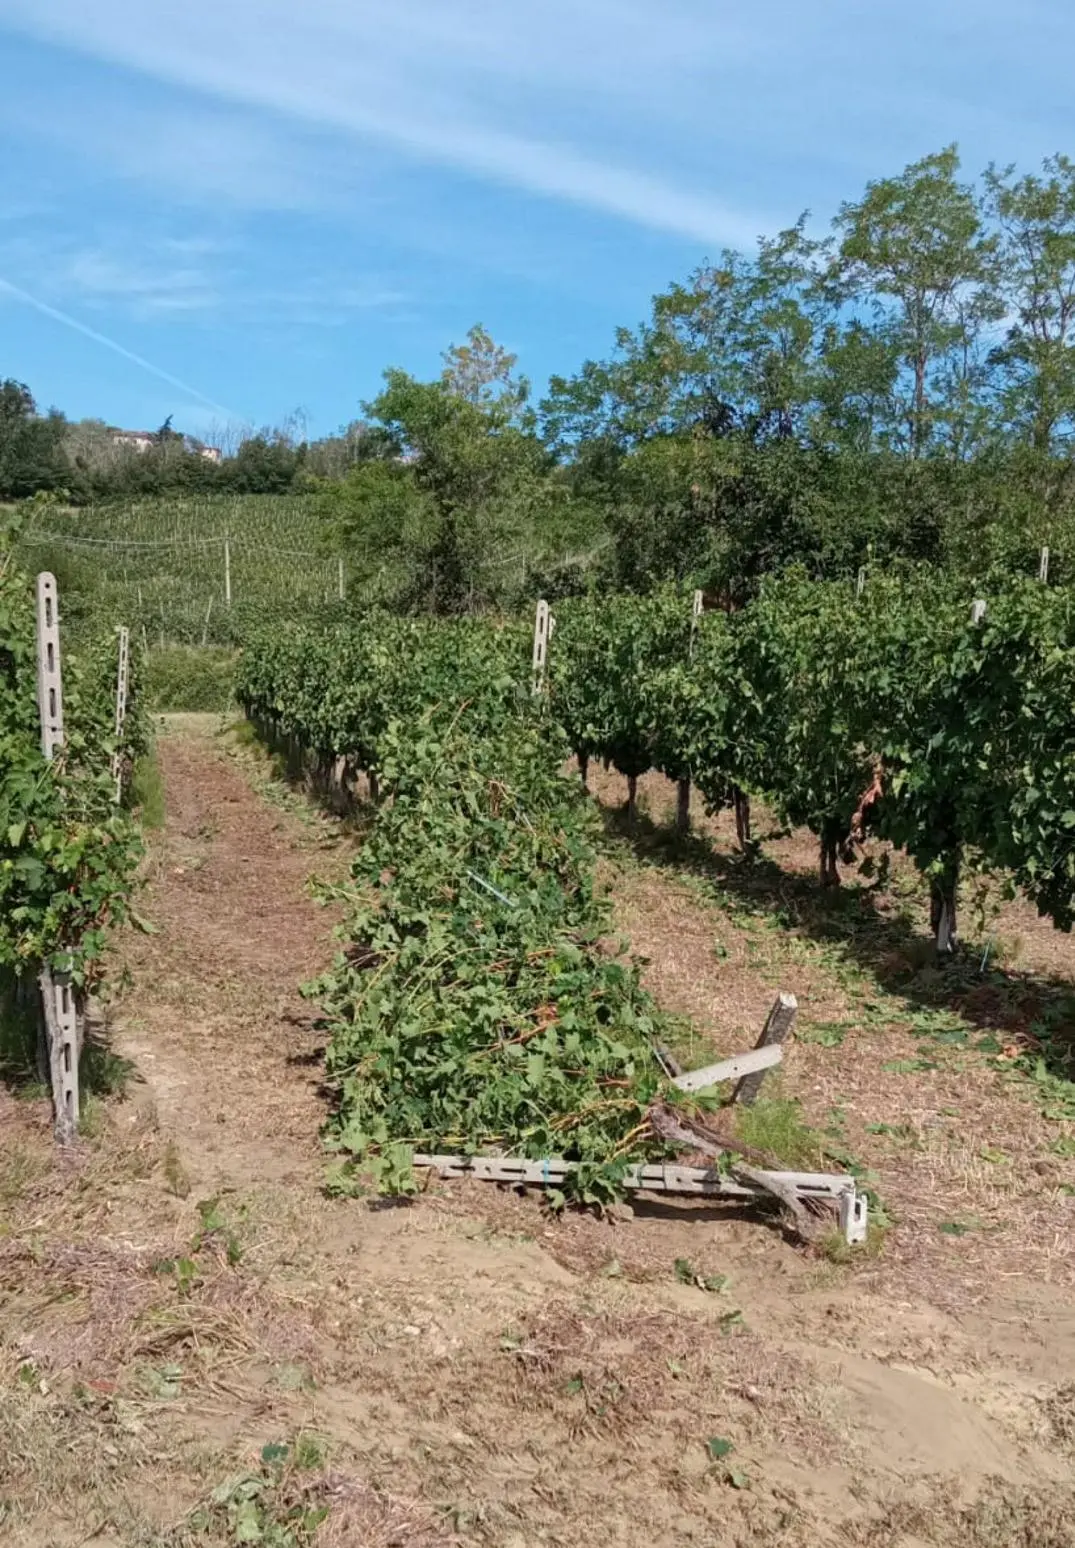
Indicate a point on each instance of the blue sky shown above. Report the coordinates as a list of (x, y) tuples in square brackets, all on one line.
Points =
[(268, 202)]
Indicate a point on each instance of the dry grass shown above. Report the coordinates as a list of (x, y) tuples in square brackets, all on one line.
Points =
[(1059, 1410), (62, 1454), (1003, 1516), (616, 1373), (359, 1514)]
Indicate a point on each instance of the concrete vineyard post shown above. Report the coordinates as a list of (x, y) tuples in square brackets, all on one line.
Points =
[(778, 1027), (123, 679), (696, 612), (977, 611), (339, 578), (57, 994), (860, 584), (542, 630), (1043, 567), (49, 676), (227, 572), (64, 1045)]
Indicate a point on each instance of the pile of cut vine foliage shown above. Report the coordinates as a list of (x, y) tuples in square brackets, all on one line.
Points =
[(475, 1008)]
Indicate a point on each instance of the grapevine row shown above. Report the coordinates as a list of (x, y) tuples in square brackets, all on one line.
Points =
[(889, 711), (68, 852), (473, 1004), (893, 711)]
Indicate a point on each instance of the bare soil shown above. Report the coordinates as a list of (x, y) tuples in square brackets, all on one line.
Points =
[(180, 1294)]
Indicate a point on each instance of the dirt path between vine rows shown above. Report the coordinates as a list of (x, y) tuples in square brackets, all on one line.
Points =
[(182, 1294), (223, 1040)]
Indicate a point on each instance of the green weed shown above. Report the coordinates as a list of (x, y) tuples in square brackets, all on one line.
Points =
[(777, 1126), (147, 791), (273, 1505)]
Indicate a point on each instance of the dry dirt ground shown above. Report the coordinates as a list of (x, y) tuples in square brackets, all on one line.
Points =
[(198, 1347)]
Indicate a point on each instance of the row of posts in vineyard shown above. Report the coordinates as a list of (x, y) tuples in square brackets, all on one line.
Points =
[(340, 589)]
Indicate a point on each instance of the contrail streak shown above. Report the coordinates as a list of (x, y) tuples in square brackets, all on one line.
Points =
[(117, 349)]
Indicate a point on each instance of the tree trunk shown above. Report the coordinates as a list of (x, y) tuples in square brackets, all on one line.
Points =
[(29, 1007), (830, 875), (683, 806), (584, 769), (741, 802), (942, 909), (632, 798), (919, 404), (375, 786)]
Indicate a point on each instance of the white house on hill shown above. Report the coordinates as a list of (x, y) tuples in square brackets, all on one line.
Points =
[(142, 440)]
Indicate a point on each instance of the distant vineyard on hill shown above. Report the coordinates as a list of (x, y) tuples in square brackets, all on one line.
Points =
[(165, 566)]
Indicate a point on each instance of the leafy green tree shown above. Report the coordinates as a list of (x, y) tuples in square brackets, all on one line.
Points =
[(1036, 219), (266, 463), (734, 348), (468, 485), (855, 385), (31, 445), (743, 337), (914, 249)]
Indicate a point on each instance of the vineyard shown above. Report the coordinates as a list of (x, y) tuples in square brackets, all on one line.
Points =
[(473, 1005), (185, 570)]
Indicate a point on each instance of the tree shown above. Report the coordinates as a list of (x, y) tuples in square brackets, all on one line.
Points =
[(855, 385), (743, 336), (266, 463), (31, 445), (467, 487), (334, 456), (484, 373), (1036, 217), (735, 348), (915, 251)]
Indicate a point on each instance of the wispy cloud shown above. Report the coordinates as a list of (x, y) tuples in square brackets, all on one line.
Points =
[(138, 274), (328, 303), (475, 84), (103, 279), (17, 293), (654, 115), (188, 279), (189, 149)]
